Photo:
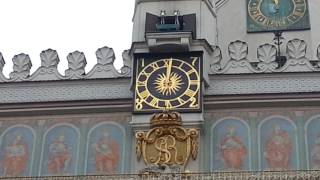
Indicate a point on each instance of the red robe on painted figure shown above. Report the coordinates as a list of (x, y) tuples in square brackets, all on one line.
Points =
[(106, 155), (59, 157), (16, 158), (278, 150), (233, 152)]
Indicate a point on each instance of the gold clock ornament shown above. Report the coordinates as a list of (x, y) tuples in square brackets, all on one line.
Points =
[(167, 82), (167, 142)]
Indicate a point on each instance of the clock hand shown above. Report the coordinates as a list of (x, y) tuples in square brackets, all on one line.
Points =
[(169, 70)]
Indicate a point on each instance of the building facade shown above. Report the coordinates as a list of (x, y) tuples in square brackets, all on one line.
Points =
[(242, 75)]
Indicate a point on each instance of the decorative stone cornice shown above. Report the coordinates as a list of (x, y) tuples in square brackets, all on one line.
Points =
[(266, 59), (21, 67), (76, 66), (76, 63), (127, 63), (2, 63), (267, 55), (48, 69), (318, 52)]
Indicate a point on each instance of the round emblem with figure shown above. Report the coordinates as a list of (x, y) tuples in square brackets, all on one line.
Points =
[(276, 14)]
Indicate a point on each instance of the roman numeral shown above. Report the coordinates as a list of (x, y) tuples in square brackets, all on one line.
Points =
[(190, 93), (168, 105), (144, 94), (194, 82), (154, 65), (154, 102), (145, 73), (190, 72), (181, 101), (194, 60), (141, 83)]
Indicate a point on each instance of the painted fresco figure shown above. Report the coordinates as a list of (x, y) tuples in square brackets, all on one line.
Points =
[(16, 157), (278, 149), (315, 153), (59, 156), (233, 151), (106, 154)]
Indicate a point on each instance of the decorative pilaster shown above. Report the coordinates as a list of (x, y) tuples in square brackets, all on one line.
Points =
[(40, 129), (301, 138), (253, 124)]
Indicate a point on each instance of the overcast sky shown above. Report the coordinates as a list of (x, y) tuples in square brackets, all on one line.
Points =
[(30, 26)]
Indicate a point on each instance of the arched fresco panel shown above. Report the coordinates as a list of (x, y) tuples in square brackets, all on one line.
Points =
[(313, 142), (278, 144), (60, 150), (231, 145), (105, 149), (17, 145)]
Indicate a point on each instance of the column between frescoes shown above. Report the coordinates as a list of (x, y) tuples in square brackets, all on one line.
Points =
[(83, 143), (300, 121), (37, 151), (253, 123), (205, 140), (129, 139)]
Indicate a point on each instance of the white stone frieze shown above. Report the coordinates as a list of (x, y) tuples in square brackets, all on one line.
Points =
[(263, 84), (30, 92), (238, 62), (76, 66)]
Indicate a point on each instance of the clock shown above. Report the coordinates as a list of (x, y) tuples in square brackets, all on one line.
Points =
[(168, 82), (273, 15)]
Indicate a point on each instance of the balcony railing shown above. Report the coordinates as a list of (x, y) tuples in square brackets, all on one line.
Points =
[(252, 175)]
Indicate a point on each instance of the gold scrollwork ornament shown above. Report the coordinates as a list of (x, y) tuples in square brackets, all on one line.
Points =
[(167, 143)]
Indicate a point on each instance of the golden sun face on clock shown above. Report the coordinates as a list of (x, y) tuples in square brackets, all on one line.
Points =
[(167, 84)]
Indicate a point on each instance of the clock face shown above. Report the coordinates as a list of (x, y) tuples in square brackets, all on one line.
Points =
[(271, 15), (167, 82)]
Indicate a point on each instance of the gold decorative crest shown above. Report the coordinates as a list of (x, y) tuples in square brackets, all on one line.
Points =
[(167, 143)]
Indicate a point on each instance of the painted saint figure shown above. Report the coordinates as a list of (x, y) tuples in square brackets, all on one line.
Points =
[(16, 157), (278, 149), (233, 151), (59, 156), (106, 154), (315, 154)]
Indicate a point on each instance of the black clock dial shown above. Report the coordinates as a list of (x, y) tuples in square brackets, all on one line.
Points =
[(167, 83)]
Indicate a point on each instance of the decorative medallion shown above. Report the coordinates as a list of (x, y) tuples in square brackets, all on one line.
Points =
[(273, 15), (167, 143)]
